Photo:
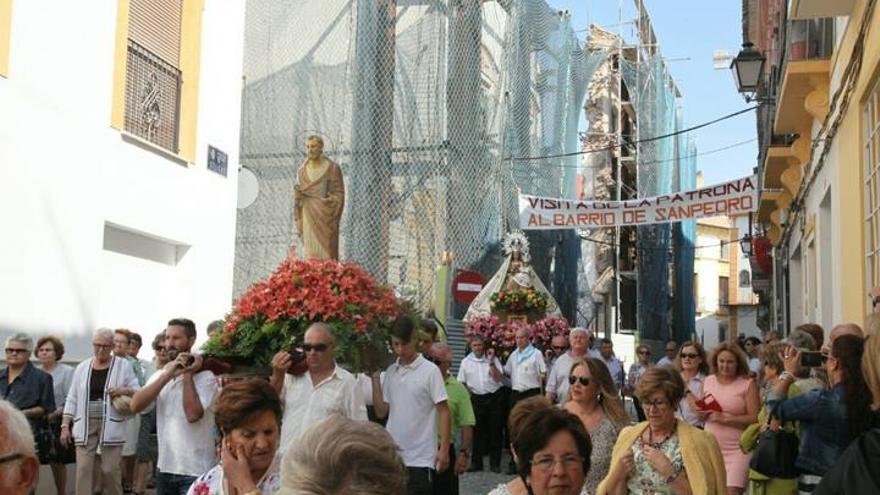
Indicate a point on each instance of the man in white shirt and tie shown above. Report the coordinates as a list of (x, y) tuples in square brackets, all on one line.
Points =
[(481, 372), (323, 390)]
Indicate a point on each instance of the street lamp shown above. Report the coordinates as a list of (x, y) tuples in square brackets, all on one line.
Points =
[(748, 67), (746, 245)]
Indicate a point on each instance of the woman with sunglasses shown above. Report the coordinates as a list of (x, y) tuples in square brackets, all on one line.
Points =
[(829, 418), (643, 355), (691, 363), (664, 454), (593, 399)]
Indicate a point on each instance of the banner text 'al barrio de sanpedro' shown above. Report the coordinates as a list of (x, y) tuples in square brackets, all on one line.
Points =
[(729, 198)]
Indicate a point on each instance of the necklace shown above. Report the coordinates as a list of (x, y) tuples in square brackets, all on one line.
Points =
[(657, 445)]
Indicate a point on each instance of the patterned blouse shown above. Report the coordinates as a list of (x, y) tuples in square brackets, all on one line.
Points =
[(212, 482), (602, 438), (646, 481)]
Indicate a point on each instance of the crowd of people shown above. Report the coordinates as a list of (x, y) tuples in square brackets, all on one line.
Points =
[(698, 423)]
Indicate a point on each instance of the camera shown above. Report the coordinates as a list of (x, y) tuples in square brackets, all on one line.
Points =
[(298, 364), (812, 359)]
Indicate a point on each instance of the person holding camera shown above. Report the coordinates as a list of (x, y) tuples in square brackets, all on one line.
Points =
[(183, 394), (829, 418), (322, 390)]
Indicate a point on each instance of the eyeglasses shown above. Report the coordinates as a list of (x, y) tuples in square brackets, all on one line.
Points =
[(314, 347), (585, 381), (11, 457), (558, 348), (10, 350), (103, 347), (570, 461), (655, 404), (687, 355), (645, 353), (161, 348)]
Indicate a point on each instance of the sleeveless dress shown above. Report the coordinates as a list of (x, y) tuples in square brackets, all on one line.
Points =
[(602, 438), (732, 398)]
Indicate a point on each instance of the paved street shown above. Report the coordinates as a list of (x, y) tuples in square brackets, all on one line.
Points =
[(484, 481)]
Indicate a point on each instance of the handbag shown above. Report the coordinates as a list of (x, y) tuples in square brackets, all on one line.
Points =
[(776, 452), (45, 442)]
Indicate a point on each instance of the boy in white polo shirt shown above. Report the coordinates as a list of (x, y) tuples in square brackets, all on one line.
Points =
[(413, 396)]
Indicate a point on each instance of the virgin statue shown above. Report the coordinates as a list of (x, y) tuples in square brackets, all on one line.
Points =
[(515, 274), (318, 199)]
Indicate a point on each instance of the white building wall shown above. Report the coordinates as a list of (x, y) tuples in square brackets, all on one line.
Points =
[(65, 174)]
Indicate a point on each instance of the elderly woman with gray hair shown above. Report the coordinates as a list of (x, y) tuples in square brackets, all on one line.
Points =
[(341, 455), (19, 467), (28, 388), (92, 418)]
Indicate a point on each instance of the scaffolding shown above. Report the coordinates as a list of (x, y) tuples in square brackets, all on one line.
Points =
[(427, 106)]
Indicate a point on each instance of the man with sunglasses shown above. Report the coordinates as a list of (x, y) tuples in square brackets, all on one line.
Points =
[(323, 390), (558, 346), (670, 349), (557, 382), (25, 386)]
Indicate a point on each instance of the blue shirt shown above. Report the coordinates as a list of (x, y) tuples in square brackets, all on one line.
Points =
[(824, 431), (32, 388)]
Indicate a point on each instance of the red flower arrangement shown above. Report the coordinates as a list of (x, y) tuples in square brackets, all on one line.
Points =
[(501, 335), (275, 313)]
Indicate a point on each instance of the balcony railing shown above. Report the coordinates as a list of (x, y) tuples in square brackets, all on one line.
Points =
[(152, 97)]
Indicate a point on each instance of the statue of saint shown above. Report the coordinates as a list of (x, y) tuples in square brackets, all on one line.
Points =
[(516, 273), (318, 196)]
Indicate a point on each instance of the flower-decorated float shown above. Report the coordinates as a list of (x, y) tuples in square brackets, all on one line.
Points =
[(515, 297), (274, 314)]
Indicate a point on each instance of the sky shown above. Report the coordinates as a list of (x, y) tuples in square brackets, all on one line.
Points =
[(691, 29)]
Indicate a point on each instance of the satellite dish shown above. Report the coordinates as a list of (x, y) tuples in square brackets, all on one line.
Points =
[(248, 187)]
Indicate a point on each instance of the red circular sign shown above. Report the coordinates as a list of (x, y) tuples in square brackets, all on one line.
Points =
[(466, 285)]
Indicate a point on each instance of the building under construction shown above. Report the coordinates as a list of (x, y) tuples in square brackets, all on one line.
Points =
[(438, 112)]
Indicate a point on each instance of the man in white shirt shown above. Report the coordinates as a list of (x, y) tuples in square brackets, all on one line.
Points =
[(557, 382), (615, 367), (413, 396), (481, 372), (558, 346), (323, 390), (671, 349), (183, 395), (526, 369)]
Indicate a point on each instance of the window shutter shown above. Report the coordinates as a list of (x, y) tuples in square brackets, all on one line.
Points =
[(155, 25)]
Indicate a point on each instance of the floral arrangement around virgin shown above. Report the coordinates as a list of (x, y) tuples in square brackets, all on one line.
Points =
[(519, 301), (275, 313), (501, 335)]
